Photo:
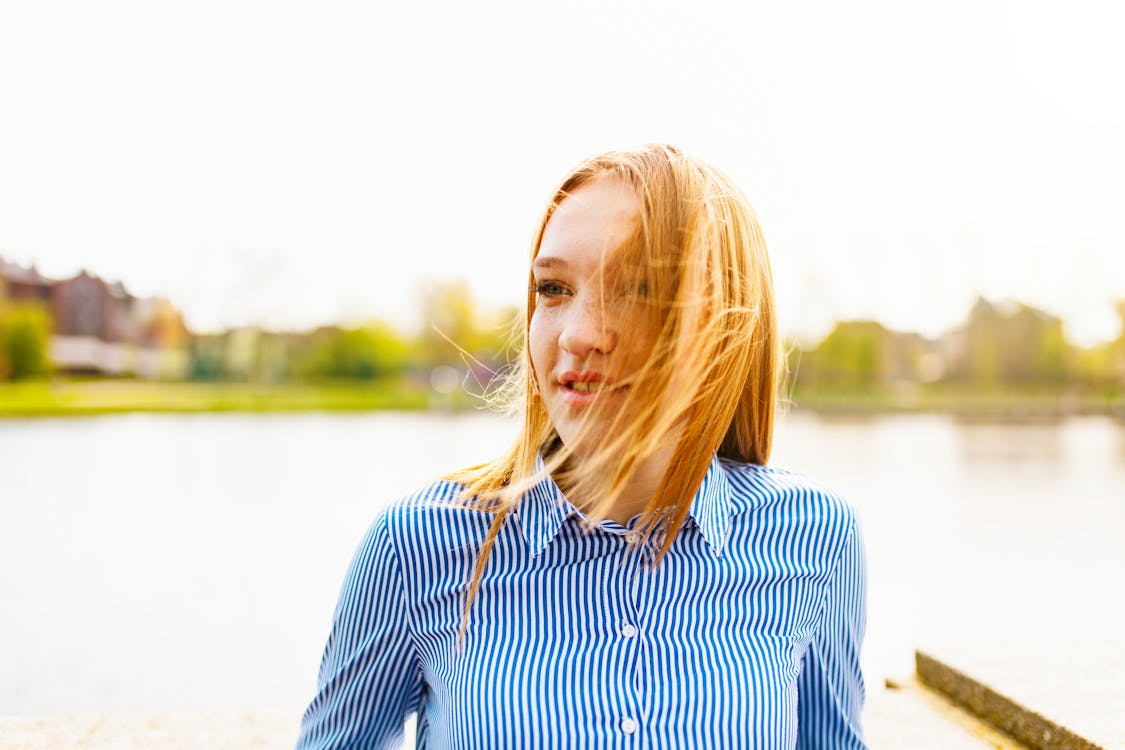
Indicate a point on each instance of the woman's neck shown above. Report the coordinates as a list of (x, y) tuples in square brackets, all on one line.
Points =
[(643, 486)]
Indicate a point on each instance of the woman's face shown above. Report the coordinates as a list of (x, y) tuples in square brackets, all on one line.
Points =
[(586, 338)]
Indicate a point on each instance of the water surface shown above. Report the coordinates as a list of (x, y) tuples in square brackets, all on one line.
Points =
[(162, 563)]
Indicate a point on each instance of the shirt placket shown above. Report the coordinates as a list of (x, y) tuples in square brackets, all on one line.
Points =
[(630, 636)]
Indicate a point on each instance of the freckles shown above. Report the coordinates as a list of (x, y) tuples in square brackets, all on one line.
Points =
[(540, 343), (543, 328)]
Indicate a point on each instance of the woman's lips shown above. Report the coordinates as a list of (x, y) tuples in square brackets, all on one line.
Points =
[(580, 398)]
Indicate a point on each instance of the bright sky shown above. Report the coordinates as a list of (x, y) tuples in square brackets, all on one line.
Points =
[(293, 164)]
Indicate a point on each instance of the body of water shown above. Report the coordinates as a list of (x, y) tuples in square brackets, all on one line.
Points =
[(159, 563)]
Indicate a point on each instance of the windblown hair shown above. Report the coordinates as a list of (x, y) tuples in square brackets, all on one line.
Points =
[(711, 381)]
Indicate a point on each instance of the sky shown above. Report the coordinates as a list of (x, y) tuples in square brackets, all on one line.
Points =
[(293, 164)]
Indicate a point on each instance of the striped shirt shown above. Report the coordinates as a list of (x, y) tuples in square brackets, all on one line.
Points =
[(746, 635)]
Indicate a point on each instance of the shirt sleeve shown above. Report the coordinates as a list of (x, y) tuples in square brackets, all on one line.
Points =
[(370, 678), (830, 689)]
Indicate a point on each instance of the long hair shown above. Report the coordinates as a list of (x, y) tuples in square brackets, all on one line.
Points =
[(710, 383)]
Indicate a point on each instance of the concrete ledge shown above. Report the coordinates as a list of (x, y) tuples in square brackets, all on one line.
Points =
[(1023, 724)]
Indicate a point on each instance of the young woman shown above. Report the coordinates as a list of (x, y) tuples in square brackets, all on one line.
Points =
[(629, 573)]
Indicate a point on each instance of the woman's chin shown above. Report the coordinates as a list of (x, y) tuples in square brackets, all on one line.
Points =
[(584, 444)]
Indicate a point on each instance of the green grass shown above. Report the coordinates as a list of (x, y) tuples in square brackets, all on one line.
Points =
[(999, 400), (91, 397)]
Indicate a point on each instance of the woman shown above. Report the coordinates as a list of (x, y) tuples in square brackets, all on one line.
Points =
[(630, 573)]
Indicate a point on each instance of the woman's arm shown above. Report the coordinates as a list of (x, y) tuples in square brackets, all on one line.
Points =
[(370, 679), (830, 687)]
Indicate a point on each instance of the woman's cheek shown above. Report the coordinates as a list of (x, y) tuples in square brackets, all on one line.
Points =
[(540, 344)]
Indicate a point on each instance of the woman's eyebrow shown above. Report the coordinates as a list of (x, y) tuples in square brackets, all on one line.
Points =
[(549, 261)]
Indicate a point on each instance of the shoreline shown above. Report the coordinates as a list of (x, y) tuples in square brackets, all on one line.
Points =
[(79, 398)]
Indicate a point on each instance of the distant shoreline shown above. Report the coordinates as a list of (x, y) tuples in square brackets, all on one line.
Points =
[(74, 398), (999, 403)]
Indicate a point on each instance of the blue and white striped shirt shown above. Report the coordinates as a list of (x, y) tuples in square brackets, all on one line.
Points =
[(746, 635)]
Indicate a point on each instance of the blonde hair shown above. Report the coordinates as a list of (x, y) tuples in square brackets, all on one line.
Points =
[(711, 381)]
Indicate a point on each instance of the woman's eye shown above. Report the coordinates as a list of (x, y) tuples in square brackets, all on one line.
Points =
[(550, 289)]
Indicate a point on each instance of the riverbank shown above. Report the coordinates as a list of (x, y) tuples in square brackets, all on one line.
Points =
[(1002, 402), (62, 398), (65, 398)]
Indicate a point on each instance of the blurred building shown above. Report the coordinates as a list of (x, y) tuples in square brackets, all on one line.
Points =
[(247, 354), (1008, 342), (99, 328), (20, 284), (865, 353)]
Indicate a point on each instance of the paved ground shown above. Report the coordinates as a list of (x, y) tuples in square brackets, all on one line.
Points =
[(908, 717), (1080, 686), (914, 717), (243, 732)]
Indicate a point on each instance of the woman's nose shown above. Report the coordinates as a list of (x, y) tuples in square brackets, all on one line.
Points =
[(589, 328)]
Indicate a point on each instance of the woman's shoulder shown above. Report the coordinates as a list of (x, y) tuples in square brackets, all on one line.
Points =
[(758, 490), (787, 518), (438, 496), (436, 515)]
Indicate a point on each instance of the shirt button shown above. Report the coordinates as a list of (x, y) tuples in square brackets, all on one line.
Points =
[(632, 537), (628, 726), (628, 630)]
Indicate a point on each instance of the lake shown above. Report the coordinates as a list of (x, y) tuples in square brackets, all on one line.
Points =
[(168, 563)]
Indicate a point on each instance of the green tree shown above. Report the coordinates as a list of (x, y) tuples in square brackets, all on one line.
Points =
[(456, 332), (854, 354), (449, 326), (25, 334), (366, 353), (1116, 365), (1052, 354)]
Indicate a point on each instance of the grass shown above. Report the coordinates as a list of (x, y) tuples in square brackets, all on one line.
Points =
[(60, 397), (92, 397), (1004, 401)]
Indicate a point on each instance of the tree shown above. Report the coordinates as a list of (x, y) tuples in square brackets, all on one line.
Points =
[(854, 353), (365, 353), (25, 334), (1117, 348), (458, 333)]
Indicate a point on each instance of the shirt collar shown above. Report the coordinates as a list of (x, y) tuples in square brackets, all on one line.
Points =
[(544, 508), (542, 511)]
